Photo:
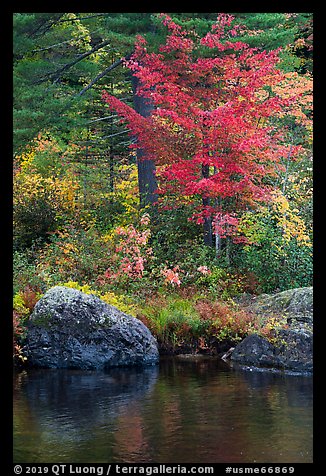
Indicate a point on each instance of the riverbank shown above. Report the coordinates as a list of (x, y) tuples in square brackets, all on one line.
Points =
[(279, 333), (67, 328)]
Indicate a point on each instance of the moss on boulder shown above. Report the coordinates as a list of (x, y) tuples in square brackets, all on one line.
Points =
[(295, 304)]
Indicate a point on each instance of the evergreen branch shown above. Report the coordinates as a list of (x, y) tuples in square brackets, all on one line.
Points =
[(48, 23), (83, 18)]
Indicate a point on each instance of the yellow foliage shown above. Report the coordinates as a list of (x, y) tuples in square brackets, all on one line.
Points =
[(68, 248), (118, 302), (108, 237), (74, 285), (19, 305), (61, 192), (287, 219), (271, 327), (26, 160), (86, 220), (110, 298), (251, 227), (126, 193)]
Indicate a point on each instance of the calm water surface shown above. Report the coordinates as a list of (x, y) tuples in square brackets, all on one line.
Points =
[(177, 412)]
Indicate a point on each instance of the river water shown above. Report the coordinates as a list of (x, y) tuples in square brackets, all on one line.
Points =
[(179, 411)]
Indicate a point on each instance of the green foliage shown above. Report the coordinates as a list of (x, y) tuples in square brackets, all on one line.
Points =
[(277, 271), (197, 323), (172, 319), (76, 182), (19, 305), (39, 204), (73, 254), (274, 30), (25, 270), (176, 239), (48, 76), (119, 207), (279, 261), (220, 282), (34, 218)]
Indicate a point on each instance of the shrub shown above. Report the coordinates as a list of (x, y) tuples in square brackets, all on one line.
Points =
[(39, 206), (226, 321), (18, 332), (173, 320), (179, 321), (19, 307), (219, 282), (175, 238), (73, 254), (23, 305), (279, 249), (130, 253), (26, 271)]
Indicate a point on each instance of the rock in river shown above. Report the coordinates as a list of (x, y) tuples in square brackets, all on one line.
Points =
[(291, 348), (71, 329)]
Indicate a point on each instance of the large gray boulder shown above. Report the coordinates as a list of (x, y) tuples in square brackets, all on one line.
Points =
[(290, 348), (71, 329), (294, 304)]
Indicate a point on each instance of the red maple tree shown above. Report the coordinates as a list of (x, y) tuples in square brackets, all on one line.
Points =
[(209, 132)]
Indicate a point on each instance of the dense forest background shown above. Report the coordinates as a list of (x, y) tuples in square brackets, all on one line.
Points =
[(86, 209)]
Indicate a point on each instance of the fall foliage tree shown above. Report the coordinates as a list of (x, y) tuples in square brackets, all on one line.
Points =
[(209, 133), (62, 60)]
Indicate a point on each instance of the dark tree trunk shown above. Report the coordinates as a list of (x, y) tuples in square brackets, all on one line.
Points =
[(207, 225), (146, 168)]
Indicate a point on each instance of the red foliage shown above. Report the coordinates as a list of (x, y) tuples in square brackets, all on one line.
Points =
[(18, 330), (17, 326), (210, 111), (223, 318), (30, 297), (130, 254)]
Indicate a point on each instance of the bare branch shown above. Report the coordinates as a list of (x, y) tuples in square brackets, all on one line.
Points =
[(106, 71), (103, 118), (59, 71), (47, 23), (116, 134)]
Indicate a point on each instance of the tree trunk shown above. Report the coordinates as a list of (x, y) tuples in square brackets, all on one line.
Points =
[(207, 225), (217, 244), (146, 168)]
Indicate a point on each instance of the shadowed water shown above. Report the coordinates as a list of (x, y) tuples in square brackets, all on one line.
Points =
[(178, 412)]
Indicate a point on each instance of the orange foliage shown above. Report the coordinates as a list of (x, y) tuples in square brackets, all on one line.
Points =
[(226, 320)]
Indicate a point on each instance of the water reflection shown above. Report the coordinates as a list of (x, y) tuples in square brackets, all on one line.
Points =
[(70, 407), (184, 411)]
